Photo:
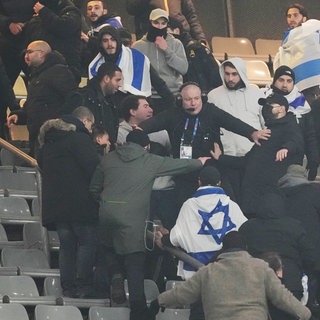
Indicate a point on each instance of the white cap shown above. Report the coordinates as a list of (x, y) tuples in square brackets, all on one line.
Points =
[(158, 13)]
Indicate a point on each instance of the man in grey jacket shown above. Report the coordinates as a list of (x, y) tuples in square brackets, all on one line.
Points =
[(235, 286)]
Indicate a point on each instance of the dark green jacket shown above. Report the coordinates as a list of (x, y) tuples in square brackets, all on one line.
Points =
[(123, 181)]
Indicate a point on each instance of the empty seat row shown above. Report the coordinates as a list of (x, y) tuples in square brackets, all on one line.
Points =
[(229, 47), (16, 311)]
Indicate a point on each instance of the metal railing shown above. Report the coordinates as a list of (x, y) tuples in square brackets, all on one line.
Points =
[(33, 162)]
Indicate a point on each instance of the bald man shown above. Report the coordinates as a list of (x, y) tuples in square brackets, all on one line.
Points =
[(50, 82)]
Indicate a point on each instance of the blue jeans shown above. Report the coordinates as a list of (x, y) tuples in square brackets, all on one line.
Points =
[(78, 245)]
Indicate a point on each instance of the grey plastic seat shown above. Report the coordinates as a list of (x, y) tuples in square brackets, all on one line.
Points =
[(174, 314), (13, 311), (170, 284), (151, 290), (8, 158), (15, 211), (19, 183), (52, 287), (112, 313), (18, 286), (32, 237), (24, 258), (43, 312), (35, 207)]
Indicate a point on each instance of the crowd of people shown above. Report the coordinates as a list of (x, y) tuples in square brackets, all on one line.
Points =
[(162, 131)]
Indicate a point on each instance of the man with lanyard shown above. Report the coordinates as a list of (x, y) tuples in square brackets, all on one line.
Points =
[(194, 128)]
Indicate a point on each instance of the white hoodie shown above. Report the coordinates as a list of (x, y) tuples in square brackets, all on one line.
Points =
[(242, 104)]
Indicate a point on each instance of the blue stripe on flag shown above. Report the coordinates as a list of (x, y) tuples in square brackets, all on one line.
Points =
[(138, 67), (307, 70)]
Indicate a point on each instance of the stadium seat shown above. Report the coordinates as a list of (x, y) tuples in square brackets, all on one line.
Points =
[(22, 286), (103, 313), (32, 237), (174, 314), (52, 287), (150, 288), (22, 183), (267, 47), (227, 47), (15, 210), (13, 311), (258, 72), (170, 284), (43, 312), (31, 262)]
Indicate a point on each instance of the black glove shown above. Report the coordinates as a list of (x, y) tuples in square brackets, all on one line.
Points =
[(312, 170), (155, 307)]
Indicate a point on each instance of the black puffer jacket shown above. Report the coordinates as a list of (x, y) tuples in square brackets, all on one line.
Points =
[(68, 159), (273, 230), (60, 25), (49, 85), (262, 171)]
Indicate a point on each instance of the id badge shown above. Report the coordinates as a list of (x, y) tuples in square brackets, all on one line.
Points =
[(185, 152)]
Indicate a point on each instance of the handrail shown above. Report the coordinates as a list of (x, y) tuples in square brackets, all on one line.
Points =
[(180, 254), (32, 161)]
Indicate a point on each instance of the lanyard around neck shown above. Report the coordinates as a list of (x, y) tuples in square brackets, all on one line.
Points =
[(195, 128)]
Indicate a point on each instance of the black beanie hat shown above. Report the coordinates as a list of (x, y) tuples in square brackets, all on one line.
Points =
[(139, 137), (234, 240), (283, 70), (209, 176)]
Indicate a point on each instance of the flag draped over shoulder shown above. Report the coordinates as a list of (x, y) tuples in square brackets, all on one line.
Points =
[(300, 50), (202, 223), (135, 68)]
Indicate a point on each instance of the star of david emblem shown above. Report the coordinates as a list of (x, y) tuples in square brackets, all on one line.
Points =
[(207, 229)]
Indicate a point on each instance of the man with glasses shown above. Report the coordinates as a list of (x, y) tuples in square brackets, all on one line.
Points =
[(50, 82)]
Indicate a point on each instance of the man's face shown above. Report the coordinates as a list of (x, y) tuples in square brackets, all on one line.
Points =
[(34, 56), (284, 83), (95, 10), (143, 112), (191, 100), (295, 18), (88, 123), (104, 139), (113, 84), (231, 77), (160, 23), (109, 44)]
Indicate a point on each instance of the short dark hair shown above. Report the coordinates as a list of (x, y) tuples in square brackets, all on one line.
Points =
[(130, 103), (98, 131), (107, 69), (103, 3), (300, 7)]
